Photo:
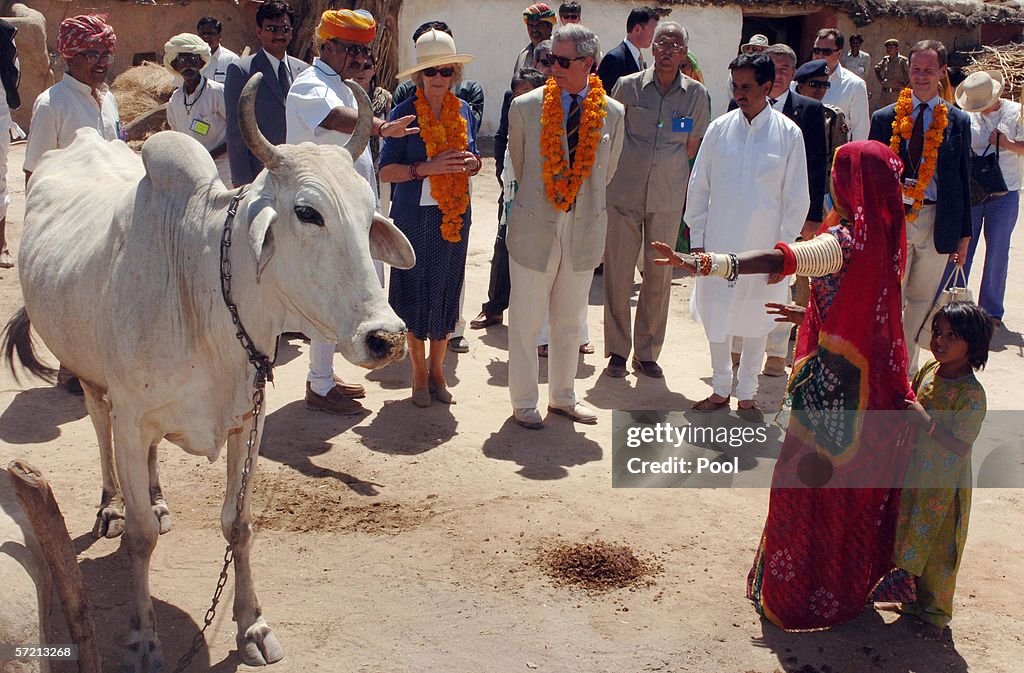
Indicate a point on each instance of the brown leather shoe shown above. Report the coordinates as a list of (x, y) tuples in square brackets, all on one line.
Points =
[(352, 390), (334, 402), (484, 320), (774, 366)]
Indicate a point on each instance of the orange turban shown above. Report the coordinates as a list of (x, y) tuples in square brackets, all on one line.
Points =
[(350, 25)]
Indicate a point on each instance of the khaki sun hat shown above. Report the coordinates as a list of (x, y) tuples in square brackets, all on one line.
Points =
[(757, 43), (979, 91), (433, 49)]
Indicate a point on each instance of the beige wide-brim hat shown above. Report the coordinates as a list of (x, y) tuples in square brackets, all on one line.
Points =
[(434, 49), (757, 43), (979, 91)]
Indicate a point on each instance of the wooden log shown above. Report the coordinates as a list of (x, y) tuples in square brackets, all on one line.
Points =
[(42, 511)]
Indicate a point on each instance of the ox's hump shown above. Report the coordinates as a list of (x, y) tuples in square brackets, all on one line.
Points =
[(177, 163)]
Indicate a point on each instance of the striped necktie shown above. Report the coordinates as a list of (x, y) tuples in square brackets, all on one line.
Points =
[(284, 77), (572, 127)]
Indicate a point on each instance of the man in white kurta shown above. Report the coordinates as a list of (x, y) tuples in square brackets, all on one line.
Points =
[(82, 98), (748, 190), (321, 109), (221, 57)]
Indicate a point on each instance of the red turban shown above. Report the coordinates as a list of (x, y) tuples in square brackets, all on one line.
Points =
[(85, 32)]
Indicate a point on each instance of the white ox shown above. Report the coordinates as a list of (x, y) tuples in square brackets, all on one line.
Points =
[(121, 274)]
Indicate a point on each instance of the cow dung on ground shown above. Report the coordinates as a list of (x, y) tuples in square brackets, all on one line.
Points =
[(598, 566)]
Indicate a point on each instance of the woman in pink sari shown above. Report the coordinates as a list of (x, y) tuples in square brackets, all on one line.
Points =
[(824, 550)]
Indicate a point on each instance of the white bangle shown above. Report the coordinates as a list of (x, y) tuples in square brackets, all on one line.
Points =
[(820, 256)]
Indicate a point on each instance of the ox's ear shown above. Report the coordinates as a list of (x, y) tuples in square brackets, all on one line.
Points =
[(389, 245), (261, 238)]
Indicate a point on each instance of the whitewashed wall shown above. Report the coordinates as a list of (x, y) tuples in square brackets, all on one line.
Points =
[(494, 33)]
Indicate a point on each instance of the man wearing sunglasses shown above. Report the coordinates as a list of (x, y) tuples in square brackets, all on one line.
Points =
[(82, 99), (274, 20), (570, 12), (321, 109), (553, 249), (847, 91), (812, 81), (540, 21)]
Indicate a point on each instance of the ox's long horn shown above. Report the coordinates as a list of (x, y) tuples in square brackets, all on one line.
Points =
[(364, 123), (254, 138)]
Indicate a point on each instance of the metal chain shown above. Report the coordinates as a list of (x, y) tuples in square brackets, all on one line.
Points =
[(264, 372)]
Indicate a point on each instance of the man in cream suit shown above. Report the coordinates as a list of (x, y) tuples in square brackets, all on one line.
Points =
[(554, 247)]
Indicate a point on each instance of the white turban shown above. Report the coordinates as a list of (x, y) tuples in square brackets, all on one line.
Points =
[(186, 43)]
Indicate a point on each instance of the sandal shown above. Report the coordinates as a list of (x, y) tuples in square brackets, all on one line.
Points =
[(587, 349), (707, 405)]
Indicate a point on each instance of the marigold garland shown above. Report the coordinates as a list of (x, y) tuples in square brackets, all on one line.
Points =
[(902, 128), (450, 190), (562, 182)]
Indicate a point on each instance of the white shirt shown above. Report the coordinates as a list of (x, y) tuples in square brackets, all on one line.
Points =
[(849, 93), (1007, 120), (635, 50), (315, 92), (748, 191), (858, 64), (203, 118), (64, 108), (217, 68), (780, 102)]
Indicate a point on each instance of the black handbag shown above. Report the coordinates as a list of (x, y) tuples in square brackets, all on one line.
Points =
[(986, 176)]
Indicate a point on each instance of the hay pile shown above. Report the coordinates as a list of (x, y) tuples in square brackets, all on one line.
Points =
[(1007, 59), (597, 566), (141, 89)]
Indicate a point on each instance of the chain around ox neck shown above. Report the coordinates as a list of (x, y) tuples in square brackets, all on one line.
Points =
[(264, 372), (264, 365)]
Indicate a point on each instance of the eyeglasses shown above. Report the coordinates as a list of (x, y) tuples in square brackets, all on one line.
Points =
[(570, 17), (669, 46), (824, 51), (94, 57), (274, 29), (188, 58), (446, 71), (564, 62), (817, 84)]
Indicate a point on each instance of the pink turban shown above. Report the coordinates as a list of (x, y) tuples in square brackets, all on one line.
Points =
[(85, 32)]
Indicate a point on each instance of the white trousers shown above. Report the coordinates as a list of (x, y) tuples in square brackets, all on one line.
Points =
[(921, 281), (5, 146), (557, 292), (545, 328), (321, 353), (751, 359)]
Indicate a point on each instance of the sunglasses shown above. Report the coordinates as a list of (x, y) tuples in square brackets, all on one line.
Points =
[(188, 58), (354, 50), (446, 71), (562, 61), (570, 17), (94, 57), (271, 28), (817, 84), (824, 51)]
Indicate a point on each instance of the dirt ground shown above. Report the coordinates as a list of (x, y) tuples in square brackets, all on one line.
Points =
[(406, 540)]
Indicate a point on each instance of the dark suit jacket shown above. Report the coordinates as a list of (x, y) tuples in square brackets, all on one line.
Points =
[(952, 175), (501, 137), (616, 63), (809, 115), (270, 115)]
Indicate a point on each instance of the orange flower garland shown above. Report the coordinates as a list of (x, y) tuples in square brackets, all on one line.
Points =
[(450, 190), (562, 182), (902, 128)]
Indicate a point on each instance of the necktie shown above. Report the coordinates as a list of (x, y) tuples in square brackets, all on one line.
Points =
[(572, 127), (915, 148), (643, 65), (283, 78)]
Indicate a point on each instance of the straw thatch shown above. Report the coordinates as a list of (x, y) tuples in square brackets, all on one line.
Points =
[(1008, 60), (141, 89)]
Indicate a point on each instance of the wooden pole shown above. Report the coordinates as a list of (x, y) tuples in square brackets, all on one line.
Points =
[(37, 499)]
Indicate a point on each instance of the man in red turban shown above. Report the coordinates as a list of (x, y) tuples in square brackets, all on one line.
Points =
[(82, 99)]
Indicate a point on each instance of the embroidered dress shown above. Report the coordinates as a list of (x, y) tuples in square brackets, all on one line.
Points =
[(824, 549), (932, 525)]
